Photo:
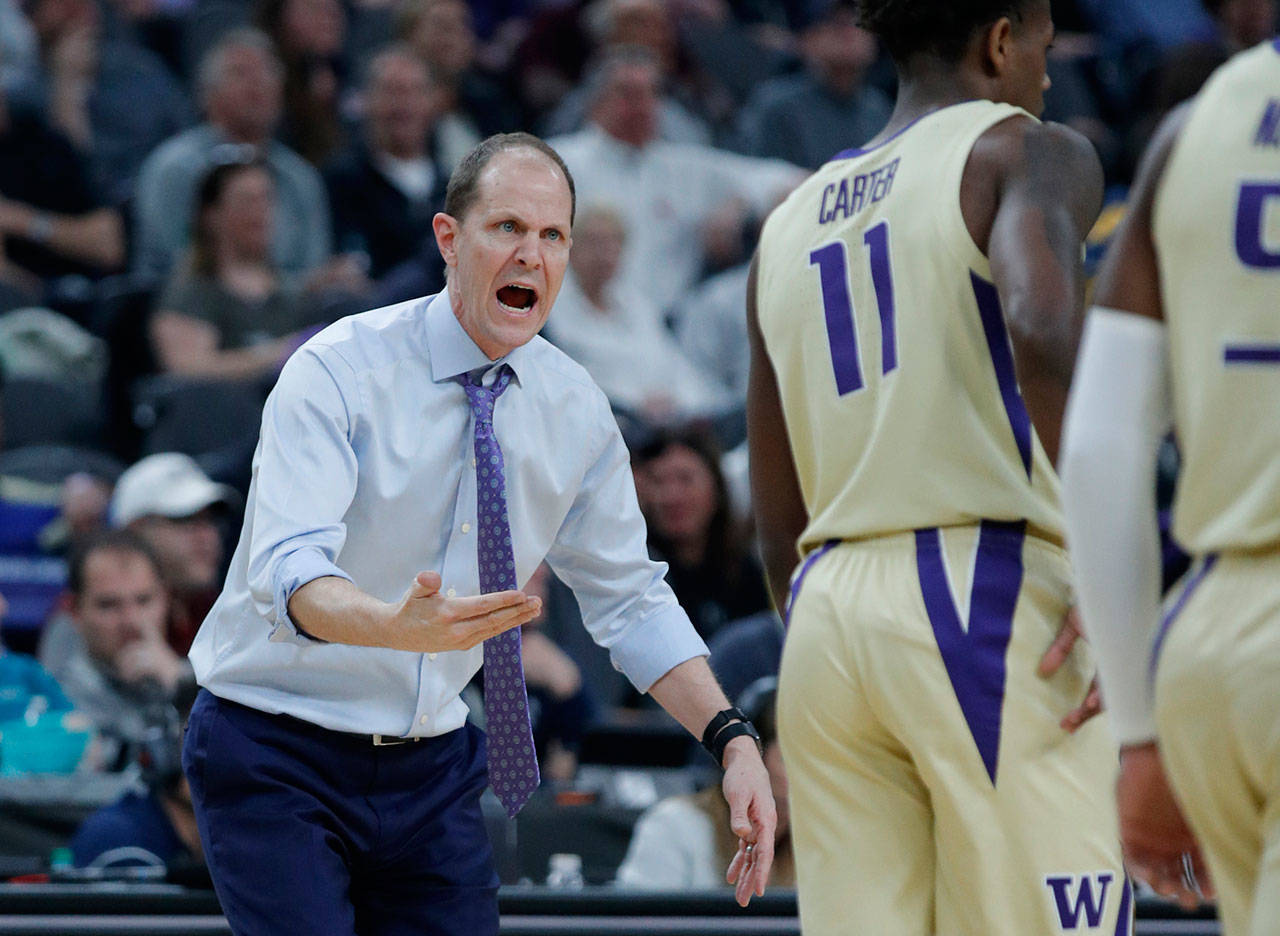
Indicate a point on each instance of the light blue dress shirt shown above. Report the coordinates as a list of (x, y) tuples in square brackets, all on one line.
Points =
[(365, 470)]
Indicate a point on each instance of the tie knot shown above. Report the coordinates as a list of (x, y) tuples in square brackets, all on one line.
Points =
[(482, 398)]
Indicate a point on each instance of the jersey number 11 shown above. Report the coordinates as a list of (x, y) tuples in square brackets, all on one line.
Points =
[(832, 261)]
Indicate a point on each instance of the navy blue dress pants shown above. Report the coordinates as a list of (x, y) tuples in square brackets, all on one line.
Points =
[(307, 830)]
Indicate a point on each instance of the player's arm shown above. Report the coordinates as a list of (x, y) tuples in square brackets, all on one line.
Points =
[(1119, 410), (1045, 183), (775, 490)]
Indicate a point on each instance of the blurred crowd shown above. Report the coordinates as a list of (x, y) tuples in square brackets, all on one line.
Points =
[(189, 189)]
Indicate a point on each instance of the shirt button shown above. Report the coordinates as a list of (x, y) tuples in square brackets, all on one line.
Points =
[(451, 592), (473, 463), (466, 528), (423, 719)]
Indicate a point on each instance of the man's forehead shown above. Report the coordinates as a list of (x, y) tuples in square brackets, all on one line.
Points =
[(513, 176)]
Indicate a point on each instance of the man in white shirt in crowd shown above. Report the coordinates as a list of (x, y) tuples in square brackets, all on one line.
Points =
[(667, 194), (621, 340), (417, 463)]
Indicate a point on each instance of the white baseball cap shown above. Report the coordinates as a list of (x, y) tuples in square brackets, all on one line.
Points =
[(168, 485)]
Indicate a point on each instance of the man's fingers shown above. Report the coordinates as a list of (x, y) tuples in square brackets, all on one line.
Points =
[(763, 855), (1061, 647), (425, 584), (1090, 707), (480, 606), (738, 864)]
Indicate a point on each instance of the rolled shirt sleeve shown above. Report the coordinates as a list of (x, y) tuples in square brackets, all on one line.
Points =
[(305, 479), (601, 553)]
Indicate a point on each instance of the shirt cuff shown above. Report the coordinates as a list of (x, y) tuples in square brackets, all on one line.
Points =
[(295, 570), (651, 647)]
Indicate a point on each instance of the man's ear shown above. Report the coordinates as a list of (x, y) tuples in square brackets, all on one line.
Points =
[(446, 230), (996, 47)]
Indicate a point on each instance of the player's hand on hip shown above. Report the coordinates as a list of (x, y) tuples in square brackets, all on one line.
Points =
[(1158, 845), (753, 817), (1065, 641), (429, 622)]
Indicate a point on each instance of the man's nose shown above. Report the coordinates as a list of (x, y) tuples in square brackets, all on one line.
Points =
[(529, 251)]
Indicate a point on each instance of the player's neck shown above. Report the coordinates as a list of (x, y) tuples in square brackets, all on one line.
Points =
[(926, 87)]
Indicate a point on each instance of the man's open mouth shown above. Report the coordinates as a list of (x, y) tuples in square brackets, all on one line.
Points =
[(517, 298)]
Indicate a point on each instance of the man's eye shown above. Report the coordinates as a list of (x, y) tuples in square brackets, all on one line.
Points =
[(507, 226), (553, 235)]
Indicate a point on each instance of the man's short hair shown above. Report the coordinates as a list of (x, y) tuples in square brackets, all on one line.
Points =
[(210, 72), (117, 541), (939, 27), (464, 184)]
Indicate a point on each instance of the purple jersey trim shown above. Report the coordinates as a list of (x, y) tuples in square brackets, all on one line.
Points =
[(853, 153), (1002, 357), (1187, 590), (1125, 919), (796, 582), (975, 658), (1251, 354), (1276, 44)]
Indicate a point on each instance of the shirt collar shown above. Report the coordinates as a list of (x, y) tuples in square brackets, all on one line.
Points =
[(451, 349)]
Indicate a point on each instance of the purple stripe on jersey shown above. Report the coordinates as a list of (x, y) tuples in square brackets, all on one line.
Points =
[(798, 580), (1187, 590), (1125, 919), (1251, 354), (975, 659), (1002, 357)]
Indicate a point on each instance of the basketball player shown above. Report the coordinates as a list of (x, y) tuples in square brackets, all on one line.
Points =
[(1187, 330), (914, 312)]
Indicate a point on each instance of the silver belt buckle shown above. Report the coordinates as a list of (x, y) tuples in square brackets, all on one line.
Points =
[(388, 740)]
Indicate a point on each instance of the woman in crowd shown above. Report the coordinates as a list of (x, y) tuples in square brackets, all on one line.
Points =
[(227, 312), (685, 500)]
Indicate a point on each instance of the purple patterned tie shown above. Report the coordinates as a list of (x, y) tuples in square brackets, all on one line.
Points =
[(513, 763)]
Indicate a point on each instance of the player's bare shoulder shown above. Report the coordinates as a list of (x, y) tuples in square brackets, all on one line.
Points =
[(1044, 163)]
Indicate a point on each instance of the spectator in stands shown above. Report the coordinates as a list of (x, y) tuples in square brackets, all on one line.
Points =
[(641, 24), (240, 87), (177, 509), (808, 117), (156, 826), (619, 338), (667, 194), (227, 312), (680, 843), (473, 105), (120, 663), (91, 87), (309, 36), (387, 188), (685, 501), (53, 223)]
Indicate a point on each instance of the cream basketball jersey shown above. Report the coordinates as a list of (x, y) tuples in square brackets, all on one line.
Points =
[(1216, 222), (884, 328)]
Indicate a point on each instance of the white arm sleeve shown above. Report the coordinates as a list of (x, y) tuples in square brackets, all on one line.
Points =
[(1118, 412)]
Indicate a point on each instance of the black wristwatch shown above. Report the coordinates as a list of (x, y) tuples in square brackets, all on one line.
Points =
[(727, 725)]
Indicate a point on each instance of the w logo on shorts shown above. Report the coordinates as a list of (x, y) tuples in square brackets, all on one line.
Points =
[(1081, 900)]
